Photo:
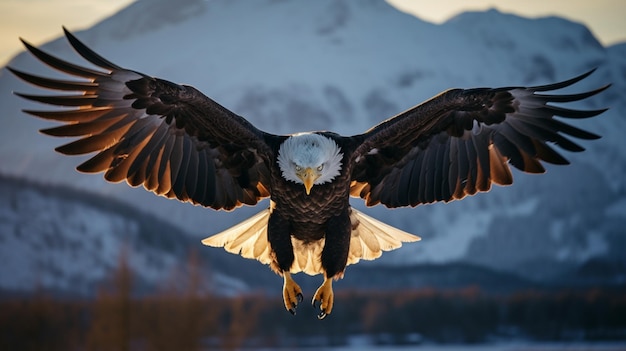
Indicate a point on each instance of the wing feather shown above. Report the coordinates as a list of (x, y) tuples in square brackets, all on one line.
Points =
[(56, 84), (176, 159), (471, 180), (191, 181), (80, 129), (165, 170), (413, 183), (152, 170), (500, 172), (202, 178), (149, 152), (80, 115)]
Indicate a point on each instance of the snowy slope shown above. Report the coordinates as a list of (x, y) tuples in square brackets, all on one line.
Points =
[(70, 242), (290, 66)]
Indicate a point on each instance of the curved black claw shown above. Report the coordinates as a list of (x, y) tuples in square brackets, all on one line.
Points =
[(322, 313), (299, 297)]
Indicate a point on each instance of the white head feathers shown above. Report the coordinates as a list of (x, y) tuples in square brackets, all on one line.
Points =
[(308, 150)]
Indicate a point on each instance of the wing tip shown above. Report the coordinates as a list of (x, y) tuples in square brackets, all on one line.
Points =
[(565, 83), (27, 44), (87, 53)]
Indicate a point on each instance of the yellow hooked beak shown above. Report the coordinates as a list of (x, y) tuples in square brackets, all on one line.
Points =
[(308, 177)]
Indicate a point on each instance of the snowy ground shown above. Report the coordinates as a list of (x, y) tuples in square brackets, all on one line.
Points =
[(514, 346)]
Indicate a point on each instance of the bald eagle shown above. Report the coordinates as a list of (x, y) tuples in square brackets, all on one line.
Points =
[(181, 144)]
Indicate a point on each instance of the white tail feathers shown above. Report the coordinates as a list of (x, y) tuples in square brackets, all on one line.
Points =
[(248, 238), (370, 237)]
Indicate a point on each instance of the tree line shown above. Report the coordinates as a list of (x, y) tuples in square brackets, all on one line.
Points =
[(186, 315)]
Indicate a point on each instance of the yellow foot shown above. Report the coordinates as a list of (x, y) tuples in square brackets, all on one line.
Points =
[(325, 296), (292, 294)]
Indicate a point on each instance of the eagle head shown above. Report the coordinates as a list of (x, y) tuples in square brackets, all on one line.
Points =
[(309, 159)]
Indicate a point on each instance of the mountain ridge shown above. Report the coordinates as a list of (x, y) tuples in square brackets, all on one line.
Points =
[(286, 70)]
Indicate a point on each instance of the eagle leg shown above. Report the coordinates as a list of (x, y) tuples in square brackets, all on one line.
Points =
[(334, 259), (279, 238), (325, 296), (292, 294)]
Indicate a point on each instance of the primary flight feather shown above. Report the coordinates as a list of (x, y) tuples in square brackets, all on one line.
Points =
[(178, 143)]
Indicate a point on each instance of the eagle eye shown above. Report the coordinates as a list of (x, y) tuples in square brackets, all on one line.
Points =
[(320, 168), (298, 168)]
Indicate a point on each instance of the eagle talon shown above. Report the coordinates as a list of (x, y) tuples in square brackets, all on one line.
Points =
[(292, 294), (325, 296)]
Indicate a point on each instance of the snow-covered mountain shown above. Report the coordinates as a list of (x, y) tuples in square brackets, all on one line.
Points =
[(69, 242), (290, 66)]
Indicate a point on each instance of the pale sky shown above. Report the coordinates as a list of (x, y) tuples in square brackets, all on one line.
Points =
[(39, 21)]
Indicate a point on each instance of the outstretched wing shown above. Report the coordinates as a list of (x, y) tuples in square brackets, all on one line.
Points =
[(461, 141), (170, 138)]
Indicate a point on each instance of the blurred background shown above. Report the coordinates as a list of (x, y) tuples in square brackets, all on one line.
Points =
[(92, 265)]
